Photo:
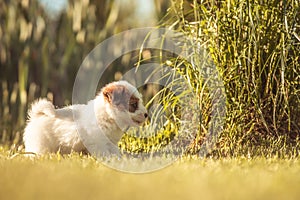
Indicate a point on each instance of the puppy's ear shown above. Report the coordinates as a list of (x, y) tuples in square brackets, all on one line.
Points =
[(115, 94), (107, 93)]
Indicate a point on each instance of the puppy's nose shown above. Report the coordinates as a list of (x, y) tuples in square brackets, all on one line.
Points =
[(145, 115)]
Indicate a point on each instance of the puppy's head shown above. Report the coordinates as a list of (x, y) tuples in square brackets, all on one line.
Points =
[(124, 103)]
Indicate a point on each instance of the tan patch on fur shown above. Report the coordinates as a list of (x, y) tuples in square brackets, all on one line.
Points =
[(121, 97)]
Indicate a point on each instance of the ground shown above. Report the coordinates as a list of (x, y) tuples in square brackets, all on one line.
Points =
[(83, 177)]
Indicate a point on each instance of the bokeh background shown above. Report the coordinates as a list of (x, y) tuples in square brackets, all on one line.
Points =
[(254, 44), (43, 44)]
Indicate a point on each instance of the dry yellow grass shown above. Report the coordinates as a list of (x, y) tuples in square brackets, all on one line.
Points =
[(76, 177)]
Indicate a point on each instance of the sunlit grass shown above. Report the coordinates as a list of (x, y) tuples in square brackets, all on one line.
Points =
[(83, 177)]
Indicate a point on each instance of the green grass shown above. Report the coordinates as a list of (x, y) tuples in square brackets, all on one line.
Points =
[(82, 177), (257, 55)]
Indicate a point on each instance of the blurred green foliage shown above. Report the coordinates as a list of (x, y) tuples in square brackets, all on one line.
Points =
[(41, 53)]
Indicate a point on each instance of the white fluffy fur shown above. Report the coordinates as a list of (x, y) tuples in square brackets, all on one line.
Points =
[(97, 125)]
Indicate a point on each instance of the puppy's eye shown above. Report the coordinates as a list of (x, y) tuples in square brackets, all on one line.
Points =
[(133, 106)]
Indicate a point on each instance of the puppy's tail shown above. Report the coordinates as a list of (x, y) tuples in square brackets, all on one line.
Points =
[(42, 107)]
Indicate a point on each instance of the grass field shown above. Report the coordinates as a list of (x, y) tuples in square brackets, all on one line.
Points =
[(77, 177), (254, 45)]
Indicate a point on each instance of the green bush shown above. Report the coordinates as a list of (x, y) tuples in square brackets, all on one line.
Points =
[(255, 46)]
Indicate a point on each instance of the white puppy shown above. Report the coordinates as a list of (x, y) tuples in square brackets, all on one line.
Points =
[(95, 127)]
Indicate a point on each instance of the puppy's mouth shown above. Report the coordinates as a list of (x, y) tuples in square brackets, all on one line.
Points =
[(138, 121)]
